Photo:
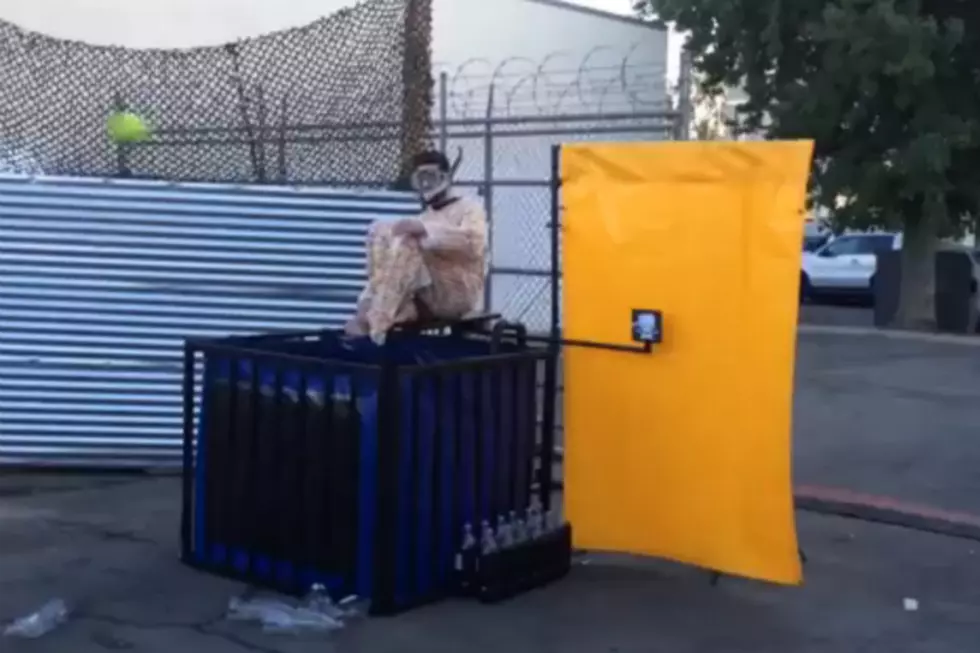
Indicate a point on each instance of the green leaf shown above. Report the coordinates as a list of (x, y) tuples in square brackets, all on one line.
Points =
[(888, 89)]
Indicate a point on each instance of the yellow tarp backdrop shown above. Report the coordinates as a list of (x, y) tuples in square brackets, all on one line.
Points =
[(684, 453)]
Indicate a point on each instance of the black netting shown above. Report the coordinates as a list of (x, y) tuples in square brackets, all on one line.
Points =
[(345, 99)]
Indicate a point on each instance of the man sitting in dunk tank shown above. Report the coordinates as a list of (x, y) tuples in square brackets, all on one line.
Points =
[(430, 266)]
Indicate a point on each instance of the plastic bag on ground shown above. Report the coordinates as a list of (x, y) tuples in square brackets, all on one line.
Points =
[(39, 623), (345, 609), (297, 620), (317, 612), (281, 617)]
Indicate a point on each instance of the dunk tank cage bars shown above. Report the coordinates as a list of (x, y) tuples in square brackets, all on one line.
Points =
[(311, 458)]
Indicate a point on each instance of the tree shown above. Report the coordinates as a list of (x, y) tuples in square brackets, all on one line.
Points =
[(888, 89), (709, 115)]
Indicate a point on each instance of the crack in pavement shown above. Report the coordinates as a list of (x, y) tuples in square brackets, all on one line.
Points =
[(237, 640), (85, 615), (202, 627), (29, 489), (103, 533)]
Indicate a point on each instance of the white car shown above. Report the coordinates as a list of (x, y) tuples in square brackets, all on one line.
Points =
[(845, 265)]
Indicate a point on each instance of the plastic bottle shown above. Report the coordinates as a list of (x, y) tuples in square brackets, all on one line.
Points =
[(519, 528), (469, 538), (552, 521), (505, 537), (535, 525), (37, 624), (467, 558), (488, 543), (318, 600), (354, 607), (467, 547)]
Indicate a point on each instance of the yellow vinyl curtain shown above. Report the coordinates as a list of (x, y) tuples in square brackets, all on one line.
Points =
[(684, 453)]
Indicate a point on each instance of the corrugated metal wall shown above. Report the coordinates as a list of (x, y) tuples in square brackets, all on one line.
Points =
[(100, 282)]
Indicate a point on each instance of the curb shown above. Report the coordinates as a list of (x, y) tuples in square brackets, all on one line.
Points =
[(886, 510), (893, 334)]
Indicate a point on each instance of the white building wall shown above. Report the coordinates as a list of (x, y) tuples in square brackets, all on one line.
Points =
[(609, 57)]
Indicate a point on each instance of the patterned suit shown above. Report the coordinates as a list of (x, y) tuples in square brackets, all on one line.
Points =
[(445, 270)]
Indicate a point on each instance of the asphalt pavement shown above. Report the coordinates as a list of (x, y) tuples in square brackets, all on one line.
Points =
[(874, 414), (107, 546)]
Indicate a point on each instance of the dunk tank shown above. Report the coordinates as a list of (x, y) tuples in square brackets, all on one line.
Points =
[(314, 459)]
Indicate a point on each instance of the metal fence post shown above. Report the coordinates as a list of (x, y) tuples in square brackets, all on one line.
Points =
[(282, 164), (261, 112), (488, 195), (443, 112), (685, 103), (122, 149), (188, 459), (550, 395)]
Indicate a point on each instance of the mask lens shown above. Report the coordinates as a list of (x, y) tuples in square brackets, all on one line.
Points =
[(427, 179)]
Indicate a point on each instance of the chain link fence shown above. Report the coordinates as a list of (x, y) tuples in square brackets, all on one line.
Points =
[(516, 186), (505, 117), (344, 98), (508, 160), (506, 124)]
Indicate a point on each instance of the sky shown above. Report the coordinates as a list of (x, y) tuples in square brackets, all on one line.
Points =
[(102, 21), (625, 7), (617, 6)]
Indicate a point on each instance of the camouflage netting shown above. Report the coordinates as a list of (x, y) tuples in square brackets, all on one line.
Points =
[(343, 100)]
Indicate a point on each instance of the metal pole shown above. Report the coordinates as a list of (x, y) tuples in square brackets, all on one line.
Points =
[(976, 230), (550, 407), (443, 112), (122, 149), (283, 126), (685, 104), (262, 118), (188, 458), (555, 233), (239, 83), (488, 194)]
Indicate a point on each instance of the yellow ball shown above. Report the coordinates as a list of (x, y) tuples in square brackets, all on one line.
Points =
[(126, 127)]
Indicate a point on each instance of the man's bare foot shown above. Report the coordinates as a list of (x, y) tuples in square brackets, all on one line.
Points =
[(356, 327), (407, 313)]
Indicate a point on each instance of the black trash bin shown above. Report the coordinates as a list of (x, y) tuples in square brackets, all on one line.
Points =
[(956, 310), (955, 290), (887, 286), (323, 460)]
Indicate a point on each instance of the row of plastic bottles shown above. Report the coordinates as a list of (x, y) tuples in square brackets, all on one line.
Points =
[(511, 530)]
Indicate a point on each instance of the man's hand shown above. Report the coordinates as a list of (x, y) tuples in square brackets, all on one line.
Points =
[(409, 227)]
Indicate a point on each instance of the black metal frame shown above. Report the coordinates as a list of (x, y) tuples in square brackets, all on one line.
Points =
[(554, 340), (307, 459), (555, 226)]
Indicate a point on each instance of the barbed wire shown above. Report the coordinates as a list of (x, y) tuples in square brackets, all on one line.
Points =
[(605, 79)]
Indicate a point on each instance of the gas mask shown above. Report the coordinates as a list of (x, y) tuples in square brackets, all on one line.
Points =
[(430, 181)]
